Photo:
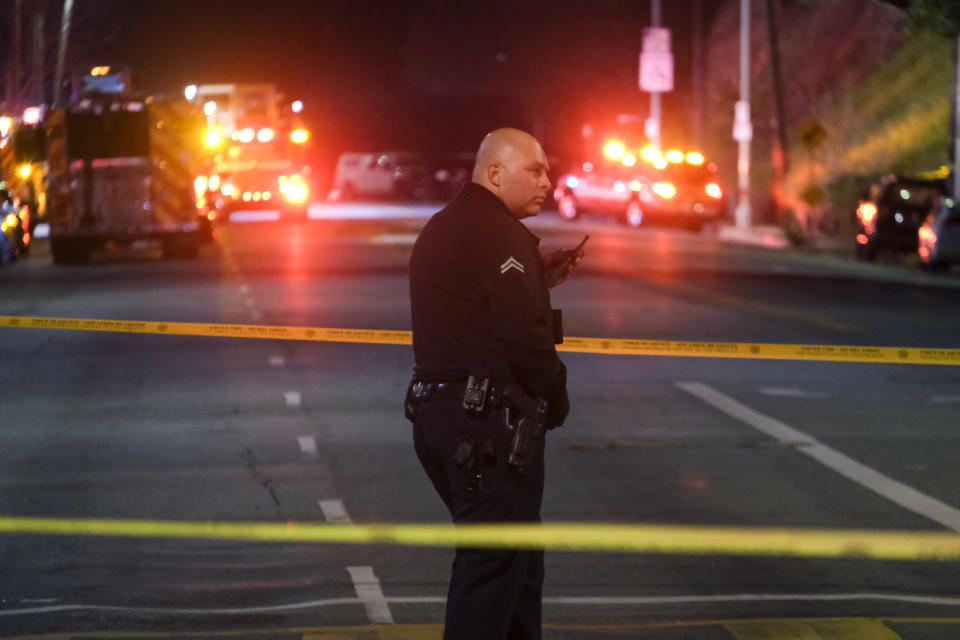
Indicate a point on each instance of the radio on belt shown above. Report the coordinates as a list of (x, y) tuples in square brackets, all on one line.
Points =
[(475, 395)]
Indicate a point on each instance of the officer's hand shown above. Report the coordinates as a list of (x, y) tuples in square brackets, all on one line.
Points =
[(558, 264)]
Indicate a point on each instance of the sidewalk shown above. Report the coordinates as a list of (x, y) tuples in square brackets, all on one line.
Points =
[(774, 237)]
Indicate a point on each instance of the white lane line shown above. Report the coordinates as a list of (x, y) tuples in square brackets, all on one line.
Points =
[(893, 490), (371, 211), (256, 314), (757, 597), (38, 600), (394, 238), (244, 289), (368, 590), (293, 398), (250, 302), (789, 392), (944, 399), (308, 446), (334, 511), (945, 601), (188, 612), (277, 361), (261, 215)]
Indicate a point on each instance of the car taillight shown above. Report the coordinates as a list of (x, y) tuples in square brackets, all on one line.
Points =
[(867, 214), (926, 234)]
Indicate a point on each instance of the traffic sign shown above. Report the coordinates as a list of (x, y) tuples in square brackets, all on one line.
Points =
[(742, 126), (656, 39), (656, 71), (812, 134)]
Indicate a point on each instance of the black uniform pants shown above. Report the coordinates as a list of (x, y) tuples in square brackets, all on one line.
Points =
[(494, 594)]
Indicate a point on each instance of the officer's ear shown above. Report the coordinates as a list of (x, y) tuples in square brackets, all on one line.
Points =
[(495, 174)]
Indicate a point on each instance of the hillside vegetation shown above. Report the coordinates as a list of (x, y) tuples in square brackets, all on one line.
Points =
[(880, 90)]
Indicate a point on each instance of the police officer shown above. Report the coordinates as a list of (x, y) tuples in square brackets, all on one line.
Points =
[(483, 326)]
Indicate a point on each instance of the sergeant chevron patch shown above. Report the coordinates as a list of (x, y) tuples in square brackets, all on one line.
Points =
[(511, 263)]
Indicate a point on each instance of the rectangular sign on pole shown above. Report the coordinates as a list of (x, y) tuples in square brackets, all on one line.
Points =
[(656, 61), (656, 71), (656, 39), (742, 126)]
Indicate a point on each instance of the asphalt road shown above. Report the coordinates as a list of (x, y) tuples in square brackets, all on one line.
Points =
[(107, 425)]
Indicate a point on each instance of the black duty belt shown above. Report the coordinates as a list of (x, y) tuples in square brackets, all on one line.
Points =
[(423, 390)]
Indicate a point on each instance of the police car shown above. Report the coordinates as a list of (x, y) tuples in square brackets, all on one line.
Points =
[(645, 187)]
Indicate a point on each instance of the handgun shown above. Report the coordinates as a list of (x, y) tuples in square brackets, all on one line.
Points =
[(529, 426)]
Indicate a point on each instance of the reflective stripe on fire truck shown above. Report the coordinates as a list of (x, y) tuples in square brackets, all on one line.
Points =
[(171, 176)]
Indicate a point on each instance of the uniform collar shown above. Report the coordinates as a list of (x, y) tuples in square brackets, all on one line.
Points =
[(479, 192)]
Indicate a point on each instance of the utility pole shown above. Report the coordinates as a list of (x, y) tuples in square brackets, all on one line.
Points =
[(655, 115), (14, 95), (780, 159), (37, 93), (698, 73), (62, 52), (742, 126), (956, 129)]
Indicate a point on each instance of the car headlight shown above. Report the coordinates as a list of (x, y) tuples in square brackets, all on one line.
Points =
[(295, 192)]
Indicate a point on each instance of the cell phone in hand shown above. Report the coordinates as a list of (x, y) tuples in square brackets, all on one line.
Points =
[(571, 253)]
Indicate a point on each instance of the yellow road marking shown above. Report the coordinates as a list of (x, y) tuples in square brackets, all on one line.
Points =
[(780, 626), (839, 629), (628, 538), (609, 346)]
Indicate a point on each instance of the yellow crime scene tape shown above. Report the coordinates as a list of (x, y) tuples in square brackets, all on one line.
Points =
[(628, 538), (888, 545), (610, 346)]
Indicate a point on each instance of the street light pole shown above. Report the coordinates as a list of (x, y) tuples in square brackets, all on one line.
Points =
[(743, 129), (62, 53), (655, 111), (956, 129)]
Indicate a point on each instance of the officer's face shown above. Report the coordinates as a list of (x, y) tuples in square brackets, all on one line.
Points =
[(525, 184)]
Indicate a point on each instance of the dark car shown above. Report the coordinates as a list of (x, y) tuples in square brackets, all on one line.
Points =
[(683, 193), (939, 237), (890, 218)]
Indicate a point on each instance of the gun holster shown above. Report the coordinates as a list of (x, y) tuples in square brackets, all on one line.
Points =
[(526, 422)]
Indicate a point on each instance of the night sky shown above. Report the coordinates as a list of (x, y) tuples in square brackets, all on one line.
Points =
[(431, 75)]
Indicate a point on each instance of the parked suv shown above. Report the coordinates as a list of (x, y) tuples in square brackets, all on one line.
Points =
[(890, 218), (386, 175)]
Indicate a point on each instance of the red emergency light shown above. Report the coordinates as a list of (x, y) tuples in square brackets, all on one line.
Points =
[(31, 115)]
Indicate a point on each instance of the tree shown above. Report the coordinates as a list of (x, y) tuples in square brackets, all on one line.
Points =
[(941, 16)]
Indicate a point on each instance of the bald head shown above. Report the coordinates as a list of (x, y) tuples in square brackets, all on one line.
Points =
[(512, 164)]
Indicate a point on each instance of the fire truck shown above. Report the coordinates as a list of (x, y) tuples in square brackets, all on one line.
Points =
[(256, 151), (121, 170)]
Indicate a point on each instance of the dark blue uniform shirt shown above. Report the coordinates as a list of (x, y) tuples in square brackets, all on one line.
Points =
[(480, 303)]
